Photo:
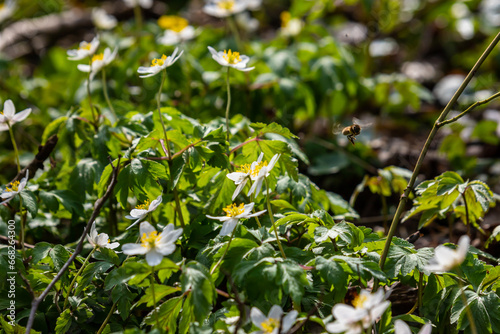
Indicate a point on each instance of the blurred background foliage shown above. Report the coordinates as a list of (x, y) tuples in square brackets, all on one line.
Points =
[(394, 64)]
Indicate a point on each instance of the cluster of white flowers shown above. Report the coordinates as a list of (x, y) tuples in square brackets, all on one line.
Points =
[(256, 172)]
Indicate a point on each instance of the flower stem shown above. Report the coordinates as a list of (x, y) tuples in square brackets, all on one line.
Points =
[(225, 251), (154, 297), (228, 106), (16, 152), (138, 18), (95, 119), (167, 149), (252, 199), (23, 219), (467, 308), (167, 143), (270, 211), (107, 318), (106, 96), (178, 207), (76, 276)]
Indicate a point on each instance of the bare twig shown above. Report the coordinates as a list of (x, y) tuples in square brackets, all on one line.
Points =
[(97, 208), (468, 110), (44, 152), (435, 128)]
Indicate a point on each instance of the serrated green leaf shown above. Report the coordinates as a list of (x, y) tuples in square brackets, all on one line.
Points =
[(196, 277), (63, 322), (29, 202), (59, 256)]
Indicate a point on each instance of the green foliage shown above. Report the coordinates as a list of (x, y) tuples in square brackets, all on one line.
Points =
[(449, 194), (307, 251)]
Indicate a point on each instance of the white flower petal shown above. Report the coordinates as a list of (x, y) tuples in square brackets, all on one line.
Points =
[(134, 249), (146, 228), (228, 227), (400, 327), (257, 317), (112, 245), (166, 249), (288, 321), (275, 312), (9, 109), (153, 258)]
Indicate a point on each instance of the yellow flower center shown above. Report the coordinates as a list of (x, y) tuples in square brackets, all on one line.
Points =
[(149, 240), (226, 4), (246, 168), (255, 172), (144, 206), (172, 22), (285, 18), (158, 61), (269, 325), (99, 56), (232, 210), (85, 46), (14, 186), (359, 301), (231, 57)]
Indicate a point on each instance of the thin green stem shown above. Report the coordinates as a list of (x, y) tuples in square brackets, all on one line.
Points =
[(423, 153), (468, 110), (225, 251), (158, 98), (467, 308), (76, 276), (107, 318), (420, 292), (14, 145), (23, 219), (270, 211), (106, 96), (227, 108), (252, 199), (154, 297), (235, 32), (95, 116), (178, 207), (138, 18)]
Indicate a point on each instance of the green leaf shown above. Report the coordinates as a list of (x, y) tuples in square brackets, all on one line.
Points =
[(59, 256), (63, 322), (40, 252), (84, 176), (90, 272), (160, 292), (333, 273), (67, 198), (492, 278), (485, 312), (262, 128), (29, 202), (294, 218), (167, 314), (196, 277), (403, 260), (123, 297), (292, 278), (128, 271)]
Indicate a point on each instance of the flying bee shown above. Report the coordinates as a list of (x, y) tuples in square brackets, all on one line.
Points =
[(351, 131)]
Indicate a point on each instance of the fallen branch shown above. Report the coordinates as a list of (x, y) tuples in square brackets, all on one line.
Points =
[(97, 208)]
